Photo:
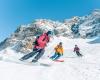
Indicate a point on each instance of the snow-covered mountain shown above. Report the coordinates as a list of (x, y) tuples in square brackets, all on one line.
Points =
[(70, 32), (77, 27), (91, 25)]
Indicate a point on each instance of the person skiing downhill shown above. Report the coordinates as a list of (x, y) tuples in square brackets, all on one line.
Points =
[(39, 47), (58, 52), (77, 51)]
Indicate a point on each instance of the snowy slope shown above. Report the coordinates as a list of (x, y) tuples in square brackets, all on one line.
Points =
[(74, 68)]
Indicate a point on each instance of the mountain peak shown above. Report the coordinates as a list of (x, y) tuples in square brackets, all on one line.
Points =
[(96, 12)]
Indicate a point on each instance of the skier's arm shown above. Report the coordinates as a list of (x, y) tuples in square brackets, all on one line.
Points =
[(55, 48), (74, 50), (79, 49), (62, 51)]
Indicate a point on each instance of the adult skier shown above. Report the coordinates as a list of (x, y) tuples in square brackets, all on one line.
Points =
[(39, 47)]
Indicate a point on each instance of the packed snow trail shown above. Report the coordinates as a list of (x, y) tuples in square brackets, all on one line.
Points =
[(73, 67)]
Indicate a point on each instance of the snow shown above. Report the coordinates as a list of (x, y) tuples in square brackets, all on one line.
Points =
[(97, 40), (73, 67)]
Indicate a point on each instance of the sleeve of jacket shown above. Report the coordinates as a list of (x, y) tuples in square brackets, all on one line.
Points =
[(48, 39), (56, 48), (74, 49), (79, 49), (62, 50)]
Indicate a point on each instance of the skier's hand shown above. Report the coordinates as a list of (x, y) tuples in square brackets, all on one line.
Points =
[(46, 45)]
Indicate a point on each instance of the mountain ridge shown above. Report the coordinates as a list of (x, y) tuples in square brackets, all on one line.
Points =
[(77, 27)]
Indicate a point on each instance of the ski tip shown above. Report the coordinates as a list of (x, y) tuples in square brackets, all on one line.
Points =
[(59, 60)]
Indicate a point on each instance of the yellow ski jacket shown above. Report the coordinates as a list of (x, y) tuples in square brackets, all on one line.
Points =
[(59, 49)]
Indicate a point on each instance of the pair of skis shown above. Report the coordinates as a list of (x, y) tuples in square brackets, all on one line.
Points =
[(57, 60)]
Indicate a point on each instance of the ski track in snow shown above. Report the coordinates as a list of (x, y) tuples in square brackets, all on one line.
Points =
[(73, 67)]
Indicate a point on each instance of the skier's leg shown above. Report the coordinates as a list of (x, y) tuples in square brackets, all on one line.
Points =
[(39, 55), (58, 56), (78, 53), (52, 57), (27, 56)]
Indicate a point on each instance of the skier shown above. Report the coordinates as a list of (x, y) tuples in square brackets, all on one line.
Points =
[(39, 47), (58, 52), (77, 51)]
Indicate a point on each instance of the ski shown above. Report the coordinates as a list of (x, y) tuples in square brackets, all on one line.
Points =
[(58, 60)]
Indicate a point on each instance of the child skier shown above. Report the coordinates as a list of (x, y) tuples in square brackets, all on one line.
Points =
[(77, 51), (58, 52)]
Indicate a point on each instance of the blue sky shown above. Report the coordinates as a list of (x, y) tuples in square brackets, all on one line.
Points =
[(16, 12)]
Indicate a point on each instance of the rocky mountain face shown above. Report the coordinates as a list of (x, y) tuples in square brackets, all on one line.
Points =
[(91, 25), (77, 27)]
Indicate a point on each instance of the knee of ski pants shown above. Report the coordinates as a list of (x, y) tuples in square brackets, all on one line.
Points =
[(78, 52), (42, 50), (35, 49)]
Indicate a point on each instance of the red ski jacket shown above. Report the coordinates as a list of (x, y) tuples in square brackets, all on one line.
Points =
[(42, 41)]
